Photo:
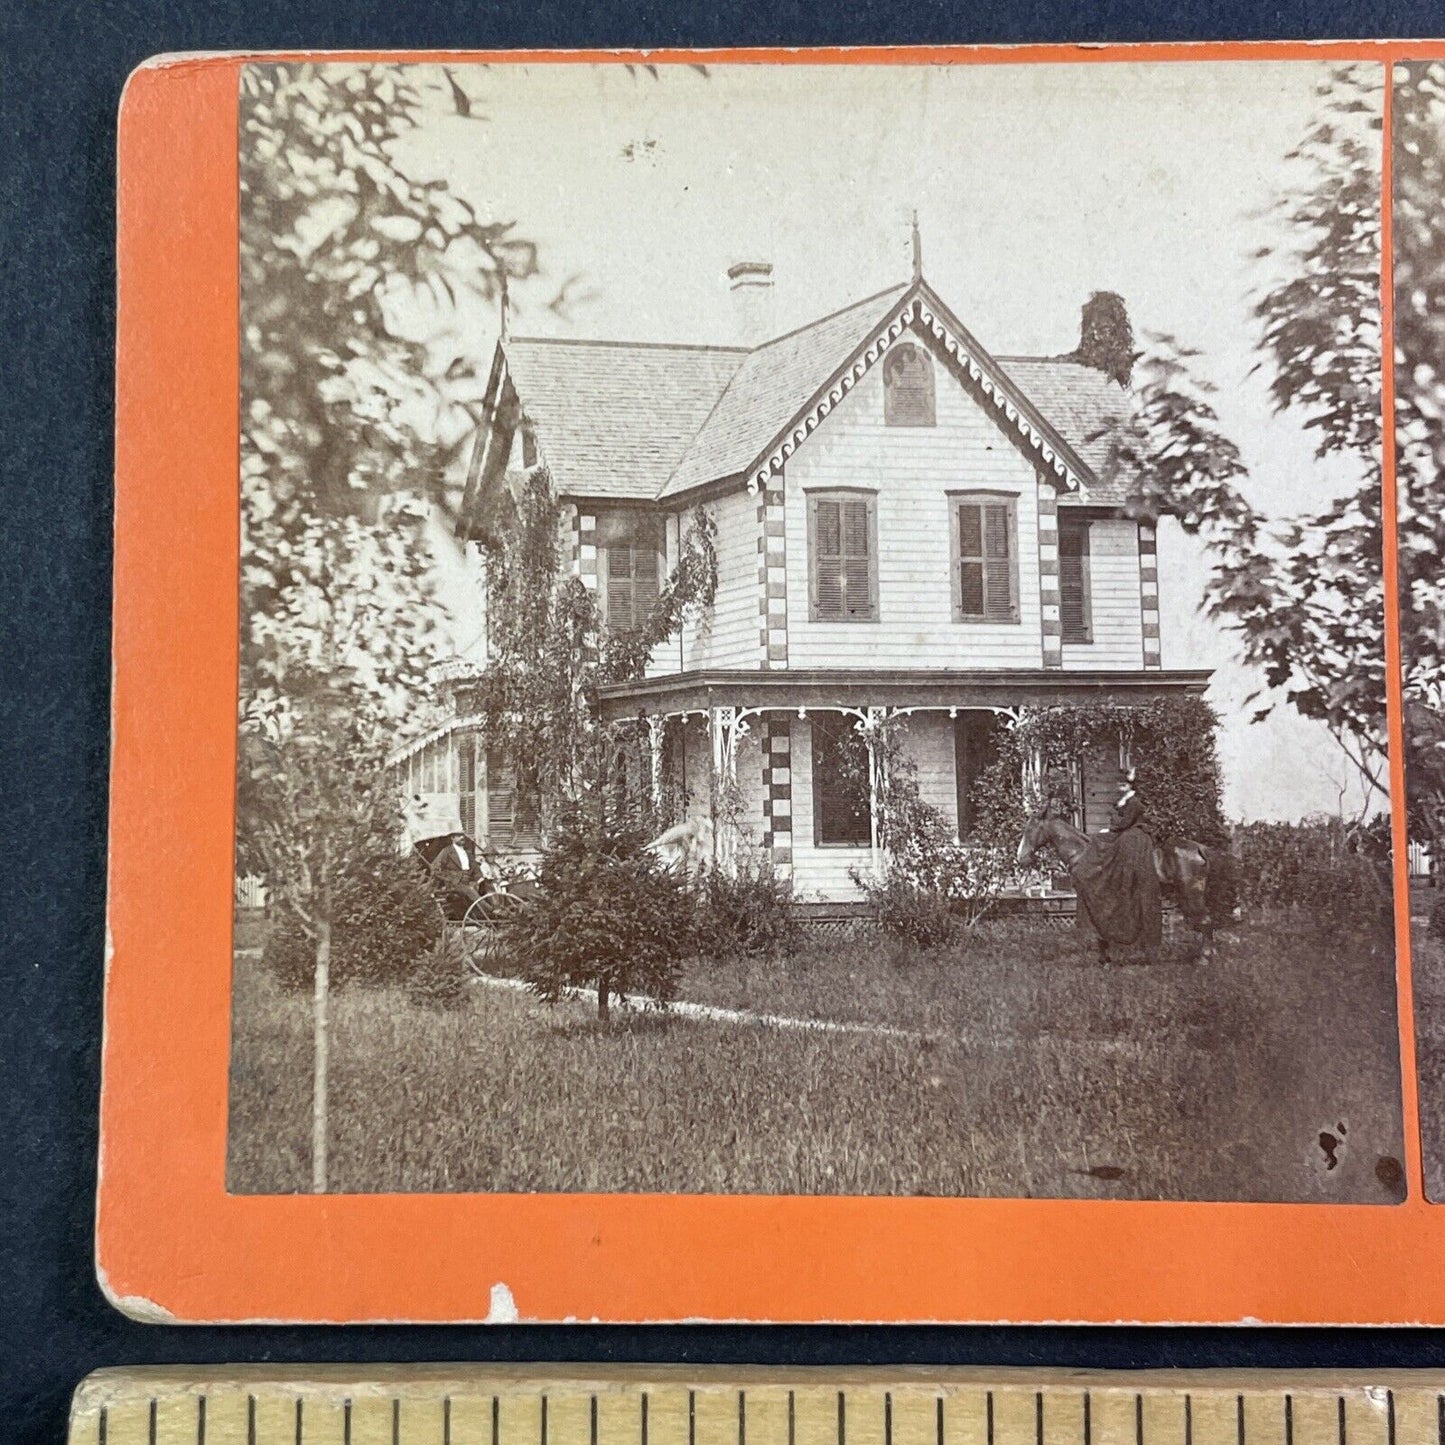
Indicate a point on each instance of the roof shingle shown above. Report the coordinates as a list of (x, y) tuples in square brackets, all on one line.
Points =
[(643, 421), (613, 418)]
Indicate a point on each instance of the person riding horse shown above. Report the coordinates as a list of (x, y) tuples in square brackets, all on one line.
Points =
[(1117, 879)]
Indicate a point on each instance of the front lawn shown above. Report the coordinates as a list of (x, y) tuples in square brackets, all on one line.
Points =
[(1270, 1073)]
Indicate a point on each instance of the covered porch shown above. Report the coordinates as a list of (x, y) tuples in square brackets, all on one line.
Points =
[(758, 753)]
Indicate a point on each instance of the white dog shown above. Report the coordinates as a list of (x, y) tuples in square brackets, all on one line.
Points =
[(686, 846)]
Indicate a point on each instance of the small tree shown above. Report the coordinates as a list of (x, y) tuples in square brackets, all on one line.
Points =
[(606, 915), (548, 651)]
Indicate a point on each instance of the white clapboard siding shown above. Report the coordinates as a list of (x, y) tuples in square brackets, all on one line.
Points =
[(1118, 634), (732, 638), (912, 469)]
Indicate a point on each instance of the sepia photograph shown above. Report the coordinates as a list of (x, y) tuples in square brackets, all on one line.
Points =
[(1418, 175), (820, 630)]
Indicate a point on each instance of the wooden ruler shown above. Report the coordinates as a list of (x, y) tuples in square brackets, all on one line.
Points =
[(654, 1405)]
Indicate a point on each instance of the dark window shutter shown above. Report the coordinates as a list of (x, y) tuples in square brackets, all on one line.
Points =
[(970, 559), (828, 559), (857, 563), (501, 799), (630, 543), (644, 580), (1074, 581), (998, 601), (619, 587)]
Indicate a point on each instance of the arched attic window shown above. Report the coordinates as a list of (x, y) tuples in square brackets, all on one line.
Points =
[(908, 386)]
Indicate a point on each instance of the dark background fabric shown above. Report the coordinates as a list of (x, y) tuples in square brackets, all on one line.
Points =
[(61, 71)]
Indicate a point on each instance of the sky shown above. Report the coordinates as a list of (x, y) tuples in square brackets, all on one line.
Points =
[(1034, 186)]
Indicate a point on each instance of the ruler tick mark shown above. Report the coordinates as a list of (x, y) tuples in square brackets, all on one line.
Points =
[(396, 1420), (592, 1420), (887, 1417), (1239, 1418), (1188, 1420), (691, 1418), (1138, 1419), (104, 1428), (988, 1418), (742, 1418), (842, 1419), (446, 1420), (1340, 1415), (939, 1415), (644, 1417), (346, 1421), (201, 1420), (1289, 1419), (1039, 1417), (155, 1406), (250, 1420), (496, 1418), (792, 1421), (544, 1420), (1088, 1418), (298, 1420)]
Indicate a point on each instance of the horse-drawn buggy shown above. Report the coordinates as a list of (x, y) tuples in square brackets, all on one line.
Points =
[(475, 892)]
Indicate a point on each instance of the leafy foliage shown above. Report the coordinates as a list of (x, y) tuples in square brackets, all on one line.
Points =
[(1303, 595), (1419, 290), (1336, 878), (1106, 338), (935, 887), (605, 915), (746, 913), (548, 651), (386, 925), (1171, 745)]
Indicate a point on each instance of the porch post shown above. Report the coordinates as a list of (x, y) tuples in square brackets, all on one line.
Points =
[(725, 726), (873, 727), (656, 727)]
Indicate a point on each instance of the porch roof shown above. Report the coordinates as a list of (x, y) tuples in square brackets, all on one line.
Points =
[(931, 687)]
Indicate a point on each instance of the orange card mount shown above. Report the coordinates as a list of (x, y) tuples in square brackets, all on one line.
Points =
[(768, 686)]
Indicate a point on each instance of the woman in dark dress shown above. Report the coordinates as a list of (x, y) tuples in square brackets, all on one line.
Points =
[(1117, 882)]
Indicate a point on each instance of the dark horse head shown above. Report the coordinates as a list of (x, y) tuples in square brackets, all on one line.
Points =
[(1038, 833)]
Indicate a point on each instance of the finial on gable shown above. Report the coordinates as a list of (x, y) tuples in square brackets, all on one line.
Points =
[(917, 250), (504, 301)]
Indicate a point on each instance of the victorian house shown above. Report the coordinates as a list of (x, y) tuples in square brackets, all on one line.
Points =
[(905, 524)]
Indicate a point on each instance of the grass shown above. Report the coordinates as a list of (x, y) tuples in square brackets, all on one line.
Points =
[(1037, 1072), (1428, 972)]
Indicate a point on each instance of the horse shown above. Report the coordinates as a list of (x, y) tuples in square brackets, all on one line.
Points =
[(686, 846), (1184, 867)]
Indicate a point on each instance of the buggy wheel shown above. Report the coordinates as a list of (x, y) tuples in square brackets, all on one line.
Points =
[(481, 931)]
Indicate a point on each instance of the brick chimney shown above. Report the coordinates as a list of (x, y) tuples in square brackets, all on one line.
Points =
[(752, 287), (1106, 339)]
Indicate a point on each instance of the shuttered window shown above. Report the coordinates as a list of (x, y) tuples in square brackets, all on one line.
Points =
[(1074, 598), (629, 544), (985, 553), (503, 830), (908, 387), (842, 553), (840, 784)]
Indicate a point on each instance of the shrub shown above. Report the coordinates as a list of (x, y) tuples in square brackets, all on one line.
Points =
[(1334, 876), (749, 913), (385, 923), (935, 887), (1437, 920), (605, 915)]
